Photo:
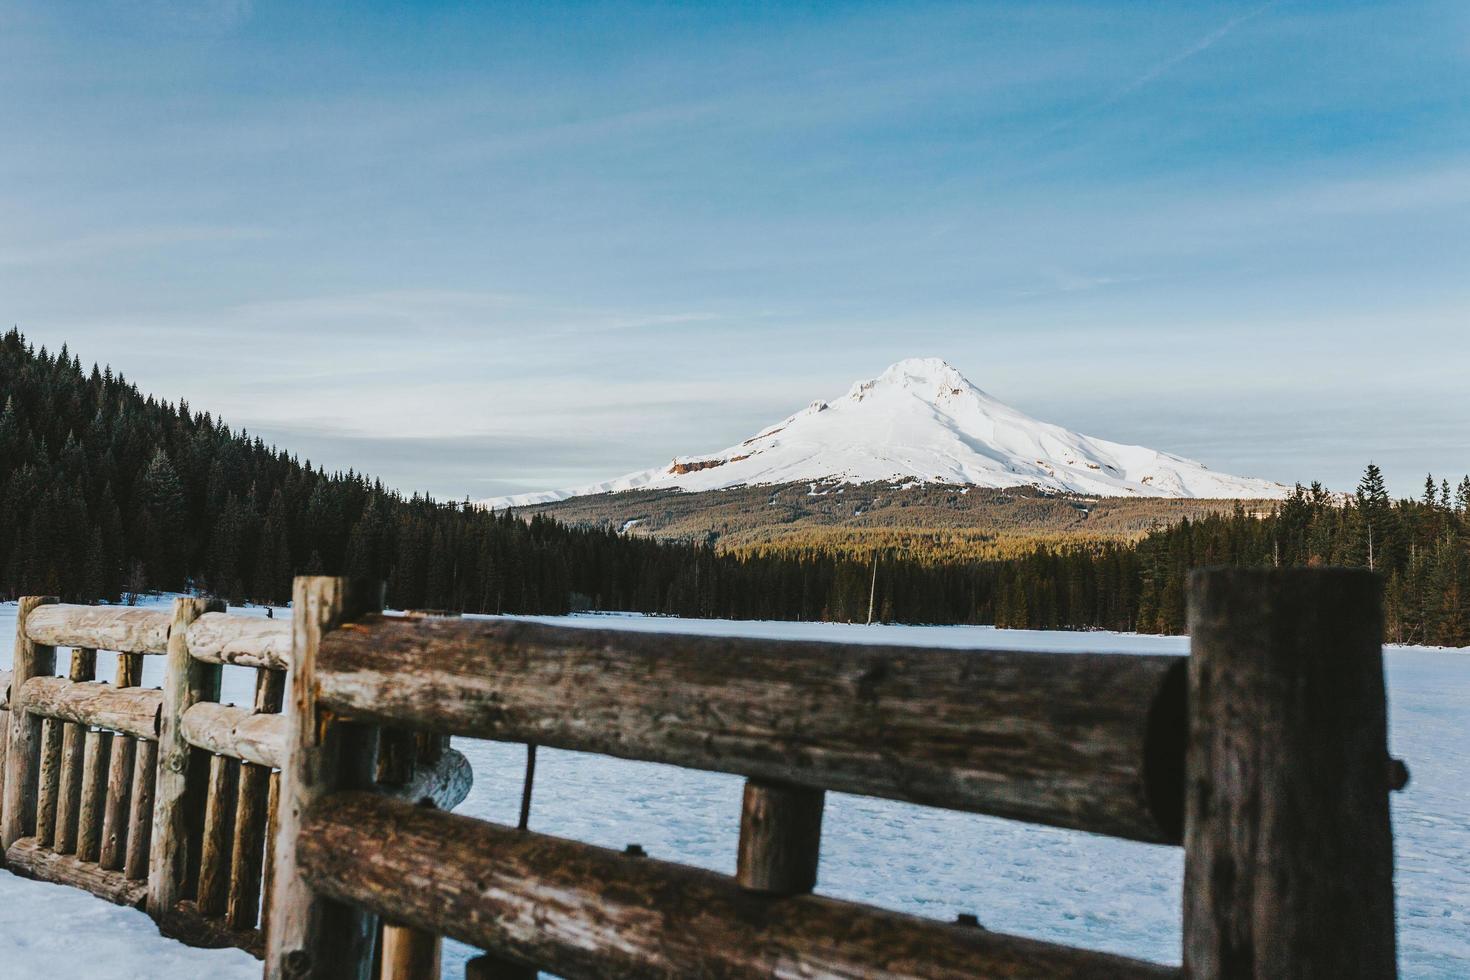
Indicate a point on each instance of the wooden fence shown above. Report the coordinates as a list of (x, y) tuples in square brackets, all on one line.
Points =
[(1263, 754), (160, 799)]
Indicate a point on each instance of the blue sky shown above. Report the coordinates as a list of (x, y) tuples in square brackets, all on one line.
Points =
[(484, 248)]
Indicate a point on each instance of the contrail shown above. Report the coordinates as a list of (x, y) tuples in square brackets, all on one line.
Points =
[(1209, 40), (1122, 92)]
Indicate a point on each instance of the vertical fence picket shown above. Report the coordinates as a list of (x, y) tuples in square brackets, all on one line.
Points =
[(251, 816), (95, 755), (186, 682), (48, 788), (73, 741), (140, 816), (309, 932), (18, 805)]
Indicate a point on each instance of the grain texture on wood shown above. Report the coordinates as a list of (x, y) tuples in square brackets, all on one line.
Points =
[(247, 853), (116, 811), (140, 813), (29, 858), (121, 771), (219, 835), (312, 934), (187, 924), (268, 866), (245, 641), (780, 838), (74, 739), (129, 670), (121, 628), (48, 789), (1061, 739), (186, 682), (31, 659), (134, 711), (95, 754), (583, 911), (240, 733), (409, 954), (1288, 852), (83, 668)]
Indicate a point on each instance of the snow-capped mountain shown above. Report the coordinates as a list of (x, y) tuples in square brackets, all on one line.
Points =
[(921, 421)]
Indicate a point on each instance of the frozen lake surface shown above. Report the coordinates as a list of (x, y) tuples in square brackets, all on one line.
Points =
[(1057, 885)]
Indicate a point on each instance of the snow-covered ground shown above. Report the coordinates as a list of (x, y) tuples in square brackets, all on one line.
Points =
[(1058, 885)]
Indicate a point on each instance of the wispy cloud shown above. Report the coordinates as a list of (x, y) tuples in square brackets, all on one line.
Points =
[(1161, 68), (1183, 55), (80, 248)]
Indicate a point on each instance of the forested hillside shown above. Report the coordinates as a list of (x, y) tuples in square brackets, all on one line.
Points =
[(105, 491)]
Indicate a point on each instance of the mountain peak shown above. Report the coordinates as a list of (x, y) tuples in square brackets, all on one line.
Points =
[(922, 421)]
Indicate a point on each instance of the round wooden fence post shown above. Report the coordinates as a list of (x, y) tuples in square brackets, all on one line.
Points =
[(186, 682), (251, 816), (68, 808), (780, 838), (311, 935), (1288, 849), (17, 805)]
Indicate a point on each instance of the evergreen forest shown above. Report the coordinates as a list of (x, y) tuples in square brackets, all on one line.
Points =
[(107, 493)]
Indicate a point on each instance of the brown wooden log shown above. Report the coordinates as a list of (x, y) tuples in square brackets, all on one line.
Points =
[(122, 628), (116, 809), (48, 790), (129, 670), (252, 816), (245, 641), (1062, 739), (4, 723), (582, 911), (247, 851), (489, 967), (1288, 852), (268, 866), (186, 682), (310, 934), (780, 838), (29, 858), (219, 835), (187, 924), (409, 954), (22, 765), (94, 794), (140, 816), (120, 771), (133, 711), (240, 733), (83, 668)]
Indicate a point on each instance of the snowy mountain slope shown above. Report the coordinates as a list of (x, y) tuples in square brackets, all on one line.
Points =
[(922, 421)]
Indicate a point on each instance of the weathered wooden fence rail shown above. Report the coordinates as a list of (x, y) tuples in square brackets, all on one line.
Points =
[(1263, 754)]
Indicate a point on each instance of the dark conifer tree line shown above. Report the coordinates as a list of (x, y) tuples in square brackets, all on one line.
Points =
[(106, 492)]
